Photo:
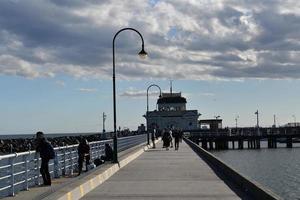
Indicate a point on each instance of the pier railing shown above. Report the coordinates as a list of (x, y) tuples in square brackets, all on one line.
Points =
[(19, 171), (243, 183)]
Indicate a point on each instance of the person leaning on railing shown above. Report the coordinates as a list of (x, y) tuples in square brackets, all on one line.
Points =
[(83, 153), (46, 153)]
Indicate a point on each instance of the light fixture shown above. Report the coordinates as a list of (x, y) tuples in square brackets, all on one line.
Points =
[(143, 54)]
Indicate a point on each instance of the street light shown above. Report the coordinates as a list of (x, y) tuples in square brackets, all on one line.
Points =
[(217, 117), (294, 120), (152, 85), (103, 121), (236, 123), (257, 121), (142, 54)]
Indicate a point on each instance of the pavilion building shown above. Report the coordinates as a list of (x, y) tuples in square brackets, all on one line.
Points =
[(172, 113)]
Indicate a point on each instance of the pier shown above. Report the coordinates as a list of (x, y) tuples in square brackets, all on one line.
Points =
[(146, 173), (249, 138), (221, 142)]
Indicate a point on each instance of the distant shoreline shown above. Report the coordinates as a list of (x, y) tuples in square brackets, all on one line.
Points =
[(24, 136)]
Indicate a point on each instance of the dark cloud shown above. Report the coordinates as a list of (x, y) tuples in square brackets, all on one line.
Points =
[(185, 40)]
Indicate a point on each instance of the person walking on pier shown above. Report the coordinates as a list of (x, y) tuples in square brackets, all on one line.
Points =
[(46, 153), (166, 139), (176, 135), (153, 136), (171, 138), (83, 153)]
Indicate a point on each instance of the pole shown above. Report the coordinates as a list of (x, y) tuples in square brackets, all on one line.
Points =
[(236, 124), (148, 137), (103, 121), (115, 139), (257, 122), (217, 117)]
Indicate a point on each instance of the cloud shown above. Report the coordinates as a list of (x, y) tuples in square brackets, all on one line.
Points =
[(139, 93), (87, 90), (60, 83), (195, 40)]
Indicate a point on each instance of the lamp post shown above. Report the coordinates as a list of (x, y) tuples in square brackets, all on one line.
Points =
[(294, 120), (152, 85), (217, 117), (103, 121), (257, 121), (236, 123), (142, 54)]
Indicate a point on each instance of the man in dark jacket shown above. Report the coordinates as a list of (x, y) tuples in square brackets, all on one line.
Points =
[(46, 153), (108, 152), (176, 136), (83, 153)]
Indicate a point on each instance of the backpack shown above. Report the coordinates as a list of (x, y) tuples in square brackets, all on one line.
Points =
[(50, 151)]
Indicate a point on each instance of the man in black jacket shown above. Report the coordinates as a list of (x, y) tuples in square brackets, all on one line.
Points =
[(46, 153), (83, 153)]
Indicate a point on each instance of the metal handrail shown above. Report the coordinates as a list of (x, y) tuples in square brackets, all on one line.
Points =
[(19, 171)]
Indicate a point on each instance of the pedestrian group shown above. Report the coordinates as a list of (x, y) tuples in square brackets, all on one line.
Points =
[(167, 138)]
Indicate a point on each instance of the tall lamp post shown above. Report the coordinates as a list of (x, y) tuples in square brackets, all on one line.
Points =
[(236, 123), (152, 85), (217, 117), (257, 122), (294, 120), (142, 54), (103, 121)]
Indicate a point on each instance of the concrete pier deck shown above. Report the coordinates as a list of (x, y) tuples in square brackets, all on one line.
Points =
[(161, 174)]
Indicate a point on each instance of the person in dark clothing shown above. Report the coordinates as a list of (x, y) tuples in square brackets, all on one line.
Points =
[(166, 139), (108, 152), (46, 153), (176, 135), (83, 153), (153, 136)]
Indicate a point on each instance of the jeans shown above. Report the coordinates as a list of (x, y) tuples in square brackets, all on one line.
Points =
[(45, 171), (80, 162)]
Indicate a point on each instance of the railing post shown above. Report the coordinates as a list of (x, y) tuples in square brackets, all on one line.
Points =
[(12, 180), (99, 149), (64, 157), (26, 170), (37, 180), (71, 157), (56, 166)]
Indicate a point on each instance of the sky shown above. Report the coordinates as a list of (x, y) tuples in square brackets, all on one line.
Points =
[(228, 58)]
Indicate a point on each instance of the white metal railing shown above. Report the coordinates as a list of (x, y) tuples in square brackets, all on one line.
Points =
[(19, 171)]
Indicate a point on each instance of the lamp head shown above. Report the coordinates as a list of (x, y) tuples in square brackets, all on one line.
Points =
[(143, 54)]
